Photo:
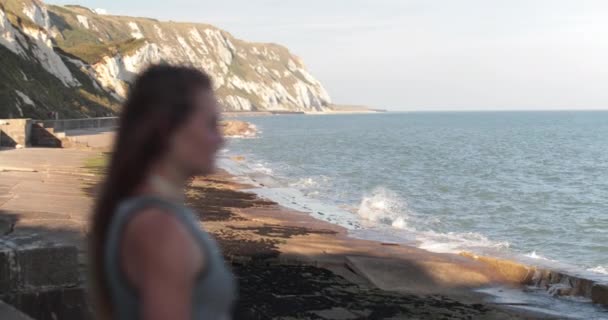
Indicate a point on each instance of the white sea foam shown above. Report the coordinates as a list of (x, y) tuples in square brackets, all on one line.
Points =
[(261, 168), (242, 136), (454, 242), (386, 207), (304, 182), (534, 255), (599, 269), (310, 182), (294, 199)]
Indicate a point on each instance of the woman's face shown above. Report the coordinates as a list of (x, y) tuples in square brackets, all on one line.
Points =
[(197, 141)]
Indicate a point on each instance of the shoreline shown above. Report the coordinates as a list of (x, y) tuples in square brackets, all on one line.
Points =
[(554, 281), (391, 268), (245, 114)]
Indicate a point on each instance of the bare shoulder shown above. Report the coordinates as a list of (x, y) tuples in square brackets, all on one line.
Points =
[(156, 243)]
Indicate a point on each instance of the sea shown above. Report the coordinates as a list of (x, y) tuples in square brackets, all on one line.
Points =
[(529, 185)]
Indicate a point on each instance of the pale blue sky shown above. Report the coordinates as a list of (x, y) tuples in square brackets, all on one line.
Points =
[(423, 54)]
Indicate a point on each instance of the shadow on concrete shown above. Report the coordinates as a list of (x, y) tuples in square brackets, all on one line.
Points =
[(42, 269), (42, 137), (6, 141)]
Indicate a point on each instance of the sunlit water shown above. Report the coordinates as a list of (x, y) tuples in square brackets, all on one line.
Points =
[(532, 183)]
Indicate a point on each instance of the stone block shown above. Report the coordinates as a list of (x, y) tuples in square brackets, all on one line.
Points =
[(37, 267), (52, 304), (9, 273), (15, 132), (48, 266)]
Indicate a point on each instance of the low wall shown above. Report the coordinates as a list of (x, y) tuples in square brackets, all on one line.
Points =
[(41, 279), (21, 133), (76, 124), (15, 133), (556, 282)]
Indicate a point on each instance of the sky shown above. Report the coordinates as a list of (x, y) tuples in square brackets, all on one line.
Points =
[(423, 54)]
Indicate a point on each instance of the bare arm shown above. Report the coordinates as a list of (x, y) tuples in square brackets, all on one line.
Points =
[(161, 260)]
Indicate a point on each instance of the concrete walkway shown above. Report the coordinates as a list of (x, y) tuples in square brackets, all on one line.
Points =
[(45, 205), (43, 194), (93, 138)]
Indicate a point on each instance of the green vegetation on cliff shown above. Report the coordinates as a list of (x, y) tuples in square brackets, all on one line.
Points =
[(92, 53), (46, 92)]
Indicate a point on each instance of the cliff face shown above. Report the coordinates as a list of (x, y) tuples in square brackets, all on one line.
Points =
[(72, 60)]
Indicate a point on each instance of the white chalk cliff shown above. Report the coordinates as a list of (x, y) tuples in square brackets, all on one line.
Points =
[(73, 43)]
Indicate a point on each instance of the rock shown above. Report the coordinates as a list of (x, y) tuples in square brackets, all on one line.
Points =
[(560, 289), (238, 129), (6, 226), (599, 294)]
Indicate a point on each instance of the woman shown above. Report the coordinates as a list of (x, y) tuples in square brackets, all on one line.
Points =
[(150, 259)]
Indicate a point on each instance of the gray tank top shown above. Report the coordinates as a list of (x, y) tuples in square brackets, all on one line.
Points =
[(215, 288)]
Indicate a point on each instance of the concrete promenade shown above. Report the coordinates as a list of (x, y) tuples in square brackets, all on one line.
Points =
[(44, 211)]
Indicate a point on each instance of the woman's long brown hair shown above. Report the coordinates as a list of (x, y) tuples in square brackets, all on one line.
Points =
[(159, 102)]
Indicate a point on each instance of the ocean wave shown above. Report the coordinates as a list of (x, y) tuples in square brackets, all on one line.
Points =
[(454, 242), (386, 207), (382, 211)]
